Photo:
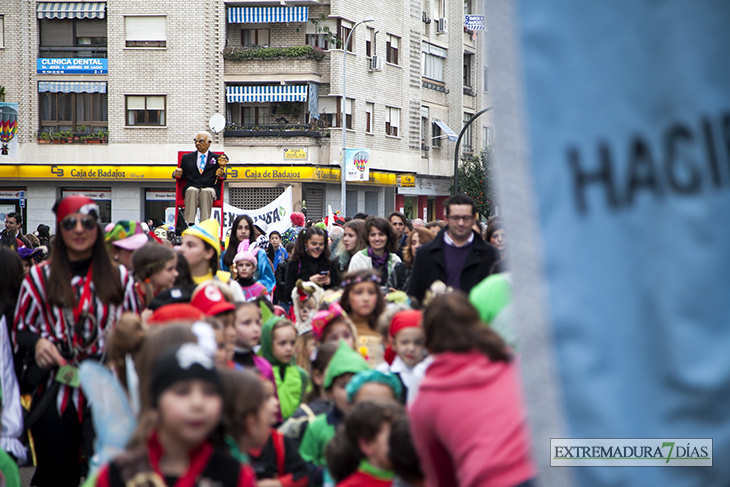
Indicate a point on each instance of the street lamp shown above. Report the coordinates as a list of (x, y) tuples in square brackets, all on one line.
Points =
[(343, 172)]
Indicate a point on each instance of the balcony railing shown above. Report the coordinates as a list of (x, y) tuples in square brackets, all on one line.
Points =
[(72, 51), (274, 131)]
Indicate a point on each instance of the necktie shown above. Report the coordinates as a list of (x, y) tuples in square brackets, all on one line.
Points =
[(201, 164)]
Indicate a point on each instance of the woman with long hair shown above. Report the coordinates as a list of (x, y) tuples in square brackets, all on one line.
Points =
[(380, 253), (398, 279), (65, 311), (242, 229), (352, 242), (310, 261), (469, 404)]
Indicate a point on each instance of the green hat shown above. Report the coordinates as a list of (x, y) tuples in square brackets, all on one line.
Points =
[(367, 376), (344, 361), (266, 340)]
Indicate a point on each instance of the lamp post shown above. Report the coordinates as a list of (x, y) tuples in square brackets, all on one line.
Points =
[(456, 150), (343, 172)]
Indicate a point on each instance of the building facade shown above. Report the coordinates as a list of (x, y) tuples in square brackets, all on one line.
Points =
[(110, 93)]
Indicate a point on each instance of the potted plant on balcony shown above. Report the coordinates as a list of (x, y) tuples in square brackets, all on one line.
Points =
[(43, 137), (69, 136), (103, 136), (58, 138), (80, 131)]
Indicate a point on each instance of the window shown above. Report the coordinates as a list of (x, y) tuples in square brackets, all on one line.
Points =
[(370, 43), (329, 110), (466, 146), (74, 38), (487, 142), (424, 128), (468, 60), (145, 31), (344, 28), (392, 121), (318, 40), (2, 31), (391, 49), (349, 102), (434, 58), (369, 112), (146, 110), (69, 111), (467, 7), (255, 37), (440, 8), (435, 135), (486, 80), (255, 116)]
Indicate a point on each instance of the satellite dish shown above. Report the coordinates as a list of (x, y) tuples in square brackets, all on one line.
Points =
[(217, 123)]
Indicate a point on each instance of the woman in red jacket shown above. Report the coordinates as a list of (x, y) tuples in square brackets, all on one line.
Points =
[(468, 422)]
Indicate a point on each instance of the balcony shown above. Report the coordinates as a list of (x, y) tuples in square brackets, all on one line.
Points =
[(72, 52), (276, 64), (275, 131)]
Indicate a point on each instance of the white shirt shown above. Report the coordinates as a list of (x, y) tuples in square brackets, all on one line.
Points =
[(411, 377), (450, 241)]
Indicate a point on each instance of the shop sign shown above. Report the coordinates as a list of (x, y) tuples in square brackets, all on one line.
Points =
[(160, 195), (357, 164), (407, 180), (72, 65), (289, 174), (428, 187), (295, 154), (94, 195), (12, 194)]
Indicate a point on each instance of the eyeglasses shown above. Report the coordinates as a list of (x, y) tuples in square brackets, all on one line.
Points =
[(460, 218), (69, 223), (201, 141)]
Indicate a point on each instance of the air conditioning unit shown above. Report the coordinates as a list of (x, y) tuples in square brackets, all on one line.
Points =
[(441, 25), (376, 63)]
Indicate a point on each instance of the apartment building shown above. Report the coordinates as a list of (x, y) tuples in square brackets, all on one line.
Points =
[(109, 93)]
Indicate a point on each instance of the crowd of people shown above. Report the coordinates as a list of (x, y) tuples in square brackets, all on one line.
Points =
[(358, 352)]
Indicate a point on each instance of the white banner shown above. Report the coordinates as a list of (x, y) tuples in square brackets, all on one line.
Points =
[(276, 214)]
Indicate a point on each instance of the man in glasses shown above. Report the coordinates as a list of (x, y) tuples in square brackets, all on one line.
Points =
[(201, 170), (458, 256)]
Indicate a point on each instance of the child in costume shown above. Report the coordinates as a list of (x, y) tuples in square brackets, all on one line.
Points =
[(278, 461), (245, 262), (363, 301), (155, 270), (317, 401), (187, 397), (277, 346), (276, 251), (333, 325), (372, 385), (202, 249), (358, 454), (402, 455), (408, 342), (344, 365)]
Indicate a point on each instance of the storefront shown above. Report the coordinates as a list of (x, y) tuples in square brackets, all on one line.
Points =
[(424, 198), (144, 192)]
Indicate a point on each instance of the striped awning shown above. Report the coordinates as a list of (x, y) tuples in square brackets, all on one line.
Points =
[(255, 15), (72, 86), (265, 93), (71, 10)]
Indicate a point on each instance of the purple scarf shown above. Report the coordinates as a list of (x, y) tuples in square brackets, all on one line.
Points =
[(379, 262)]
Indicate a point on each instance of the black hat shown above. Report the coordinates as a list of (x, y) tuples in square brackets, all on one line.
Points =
[(186, 362), (177, 294), (157, 223)]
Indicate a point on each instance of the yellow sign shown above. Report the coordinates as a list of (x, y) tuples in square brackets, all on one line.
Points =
[(93, 173), (295, 154), (407, 180), (164, 173)]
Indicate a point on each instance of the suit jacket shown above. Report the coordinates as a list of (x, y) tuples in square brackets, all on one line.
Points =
[(189, 165), (430, 265)]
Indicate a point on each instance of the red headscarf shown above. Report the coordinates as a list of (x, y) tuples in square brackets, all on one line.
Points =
[(75, 204)]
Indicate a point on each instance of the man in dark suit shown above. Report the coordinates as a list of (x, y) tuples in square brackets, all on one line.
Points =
[(202, 171), (457, 256)]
